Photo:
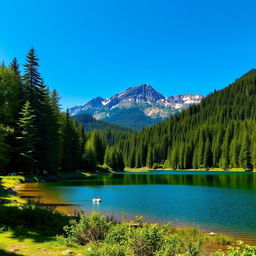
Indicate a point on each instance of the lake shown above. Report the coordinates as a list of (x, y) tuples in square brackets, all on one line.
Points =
[(223, 202)]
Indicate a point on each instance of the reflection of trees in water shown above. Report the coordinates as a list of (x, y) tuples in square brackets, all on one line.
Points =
[(236, 181), (224, 180)]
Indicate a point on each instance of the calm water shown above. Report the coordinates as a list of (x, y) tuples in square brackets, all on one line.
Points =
[(221, 202)]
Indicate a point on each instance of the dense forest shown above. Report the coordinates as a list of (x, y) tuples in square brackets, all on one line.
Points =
[(36, 137), (218, 132)]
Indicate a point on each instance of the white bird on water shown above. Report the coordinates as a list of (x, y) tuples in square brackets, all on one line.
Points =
[(96, 200)]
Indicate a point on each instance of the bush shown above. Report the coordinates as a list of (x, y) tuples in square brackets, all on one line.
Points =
[(146, 240), (175, 245), (34, 216), (88, 228), (118, 234), (240, 249), (104, 249)]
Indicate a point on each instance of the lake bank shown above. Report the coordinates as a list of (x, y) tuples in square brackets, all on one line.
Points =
[(146, 169)]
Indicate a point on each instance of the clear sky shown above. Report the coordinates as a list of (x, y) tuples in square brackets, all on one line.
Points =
[(101, 47)]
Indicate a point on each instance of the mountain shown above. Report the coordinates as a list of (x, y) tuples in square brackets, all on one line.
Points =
[(136, 107), (219, 132), (90, 123)]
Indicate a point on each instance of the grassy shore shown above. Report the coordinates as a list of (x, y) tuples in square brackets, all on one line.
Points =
[(146, 169)]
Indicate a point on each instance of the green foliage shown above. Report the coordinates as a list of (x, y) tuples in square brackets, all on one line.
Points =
[(146, 241), (27, 139), (33, 215), (240, 249), (104, 237), (10, 96), (105, 249), (3, 150), (218, 132), (114, 159), (87, 229)]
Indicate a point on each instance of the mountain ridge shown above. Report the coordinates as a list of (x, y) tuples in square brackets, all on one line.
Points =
[(152, 106)]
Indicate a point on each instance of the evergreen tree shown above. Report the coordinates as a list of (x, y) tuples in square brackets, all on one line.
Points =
[(15, 66), (27, 139), (174, 158), (98, 146), (244, 157), (114, 159), (33, 82), (234, 153), (207, 155), (90, 156), (149, 161)]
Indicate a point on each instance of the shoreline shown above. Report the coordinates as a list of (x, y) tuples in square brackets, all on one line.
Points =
[(146, 169)]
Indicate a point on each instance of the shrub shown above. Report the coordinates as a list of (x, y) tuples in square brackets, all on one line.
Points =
[(240, 249), (34, 216), (146, 241), (175, 246), (118, 234), (104, 249), (87, 229)]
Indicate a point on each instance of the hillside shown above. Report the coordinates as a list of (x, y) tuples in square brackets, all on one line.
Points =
[(218, 132), (136, 107), (90, 123)]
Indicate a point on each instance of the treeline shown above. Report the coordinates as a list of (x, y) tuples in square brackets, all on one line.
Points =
[(35, 136), (218, 132)]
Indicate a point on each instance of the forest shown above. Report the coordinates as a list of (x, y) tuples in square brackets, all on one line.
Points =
[(36, 137), (220, 132)]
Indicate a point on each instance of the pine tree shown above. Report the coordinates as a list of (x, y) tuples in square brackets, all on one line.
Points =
[(15, 66), (245, 157), (33, 81), (207, 154), (149, 161), (174, 158), (114, 159), (98, 146), (234, 153), (254, 156), (27, 139)]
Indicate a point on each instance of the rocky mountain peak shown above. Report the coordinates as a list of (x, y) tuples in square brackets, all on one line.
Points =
[(142, 100)]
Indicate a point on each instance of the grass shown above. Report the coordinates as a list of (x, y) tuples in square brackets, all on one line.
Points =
[(146, 169), (32, 244)]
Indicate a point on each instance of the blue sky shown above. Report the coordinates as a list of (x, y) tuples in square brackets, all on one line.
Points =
[(100, 47)]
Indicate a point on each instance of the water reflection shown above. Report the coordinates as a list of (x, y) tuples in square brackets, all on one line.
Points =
[(213, 179)]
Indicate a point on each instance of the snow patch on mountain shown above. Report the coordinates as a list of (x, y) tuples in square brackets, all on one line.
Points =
[(143, 98)]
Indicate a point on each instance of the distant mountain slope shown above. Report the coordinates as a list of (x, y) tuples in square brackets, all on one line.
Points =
[(219, 132), (136, 107), (90, 123)]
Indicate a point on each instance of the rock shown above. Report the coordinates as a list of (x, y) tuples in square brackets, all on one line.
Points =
[(212, 234), (135, 225)]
